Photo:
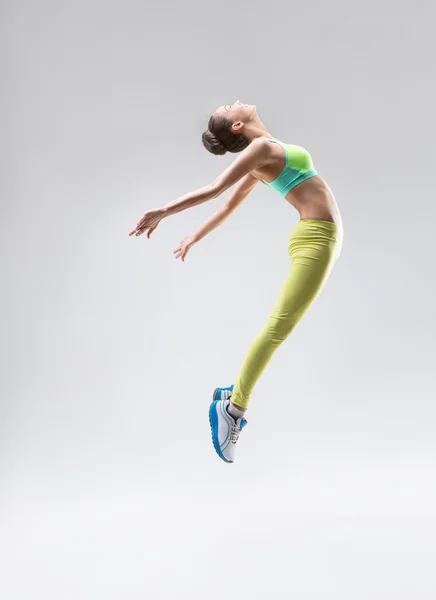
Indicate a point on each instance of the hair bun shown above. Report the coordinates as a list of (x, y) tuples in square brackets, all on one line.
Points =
[(212, 143)]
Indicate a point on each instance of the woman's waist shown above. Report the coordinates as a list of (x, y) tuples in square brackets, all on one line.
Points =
[(313, 199)]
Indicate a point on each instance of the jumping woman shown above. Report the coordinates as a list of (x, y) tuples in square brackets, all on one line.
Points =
[(314, 245)]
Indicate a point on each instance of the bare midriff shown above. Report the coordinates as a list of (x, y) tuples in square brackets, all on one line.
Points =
[(313, 199)]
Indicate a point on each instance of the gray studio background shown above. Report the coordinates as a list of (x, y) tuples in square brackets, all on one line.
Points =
[(111, 349)]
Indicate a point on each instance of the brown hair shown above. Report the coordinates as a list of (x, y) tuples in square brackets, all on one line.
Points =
[(219, 138)]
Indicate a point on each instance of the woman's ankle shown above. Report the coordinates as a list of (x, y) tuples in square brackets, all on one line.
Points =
[(237, 412)]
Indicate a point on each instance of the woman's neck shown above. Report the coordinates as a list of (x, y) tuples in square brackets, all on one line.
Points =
[(255, 129)]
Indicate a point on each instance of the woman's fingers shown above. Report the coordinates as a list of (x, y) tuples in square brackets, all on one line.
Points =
[(142, 228), (180, 252), (148, 222), (136, 231), (152, 228), (144, 223)]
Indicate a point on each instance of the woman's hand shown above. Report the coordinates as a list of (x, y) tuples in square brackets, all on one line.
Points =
[(183, 248), (149, 222)]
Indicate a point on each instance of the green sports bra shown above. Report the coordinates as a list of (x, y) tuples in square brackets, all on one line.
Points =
[(298, 168)]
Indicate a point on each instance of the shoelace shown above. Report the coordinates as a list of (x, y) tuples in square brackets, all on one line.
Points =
[(234, 433)]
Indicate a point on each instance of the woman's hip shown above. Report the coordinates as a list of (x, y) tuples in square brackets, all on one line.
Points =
[(316, 240)]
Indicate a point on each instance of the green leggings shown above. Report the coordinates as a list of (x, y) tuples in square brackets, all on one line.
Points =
[(314, 247)]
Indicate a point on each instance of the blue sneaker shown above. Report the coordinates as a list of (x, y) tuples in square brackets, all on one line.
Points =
[(225, 429), (223, 393)]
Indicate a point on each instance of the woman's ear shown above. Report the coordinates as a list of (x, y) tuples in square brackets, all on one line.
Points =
[(237, 126)]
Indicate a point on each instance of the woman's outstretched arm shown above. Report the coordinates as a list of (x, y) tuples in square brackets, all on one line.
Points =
[(254, 156), (236, 198)]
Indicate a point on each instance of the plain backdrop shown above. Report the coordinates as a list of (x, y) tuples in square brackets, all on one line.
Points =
[(111, 349)]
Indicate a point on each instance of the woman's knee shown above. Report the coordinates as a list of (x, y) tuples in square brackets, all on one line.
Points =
[(278, 329)]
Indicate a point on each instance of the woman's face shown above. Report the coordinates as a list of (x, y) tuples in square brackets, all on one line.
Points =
[(237, 112)]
